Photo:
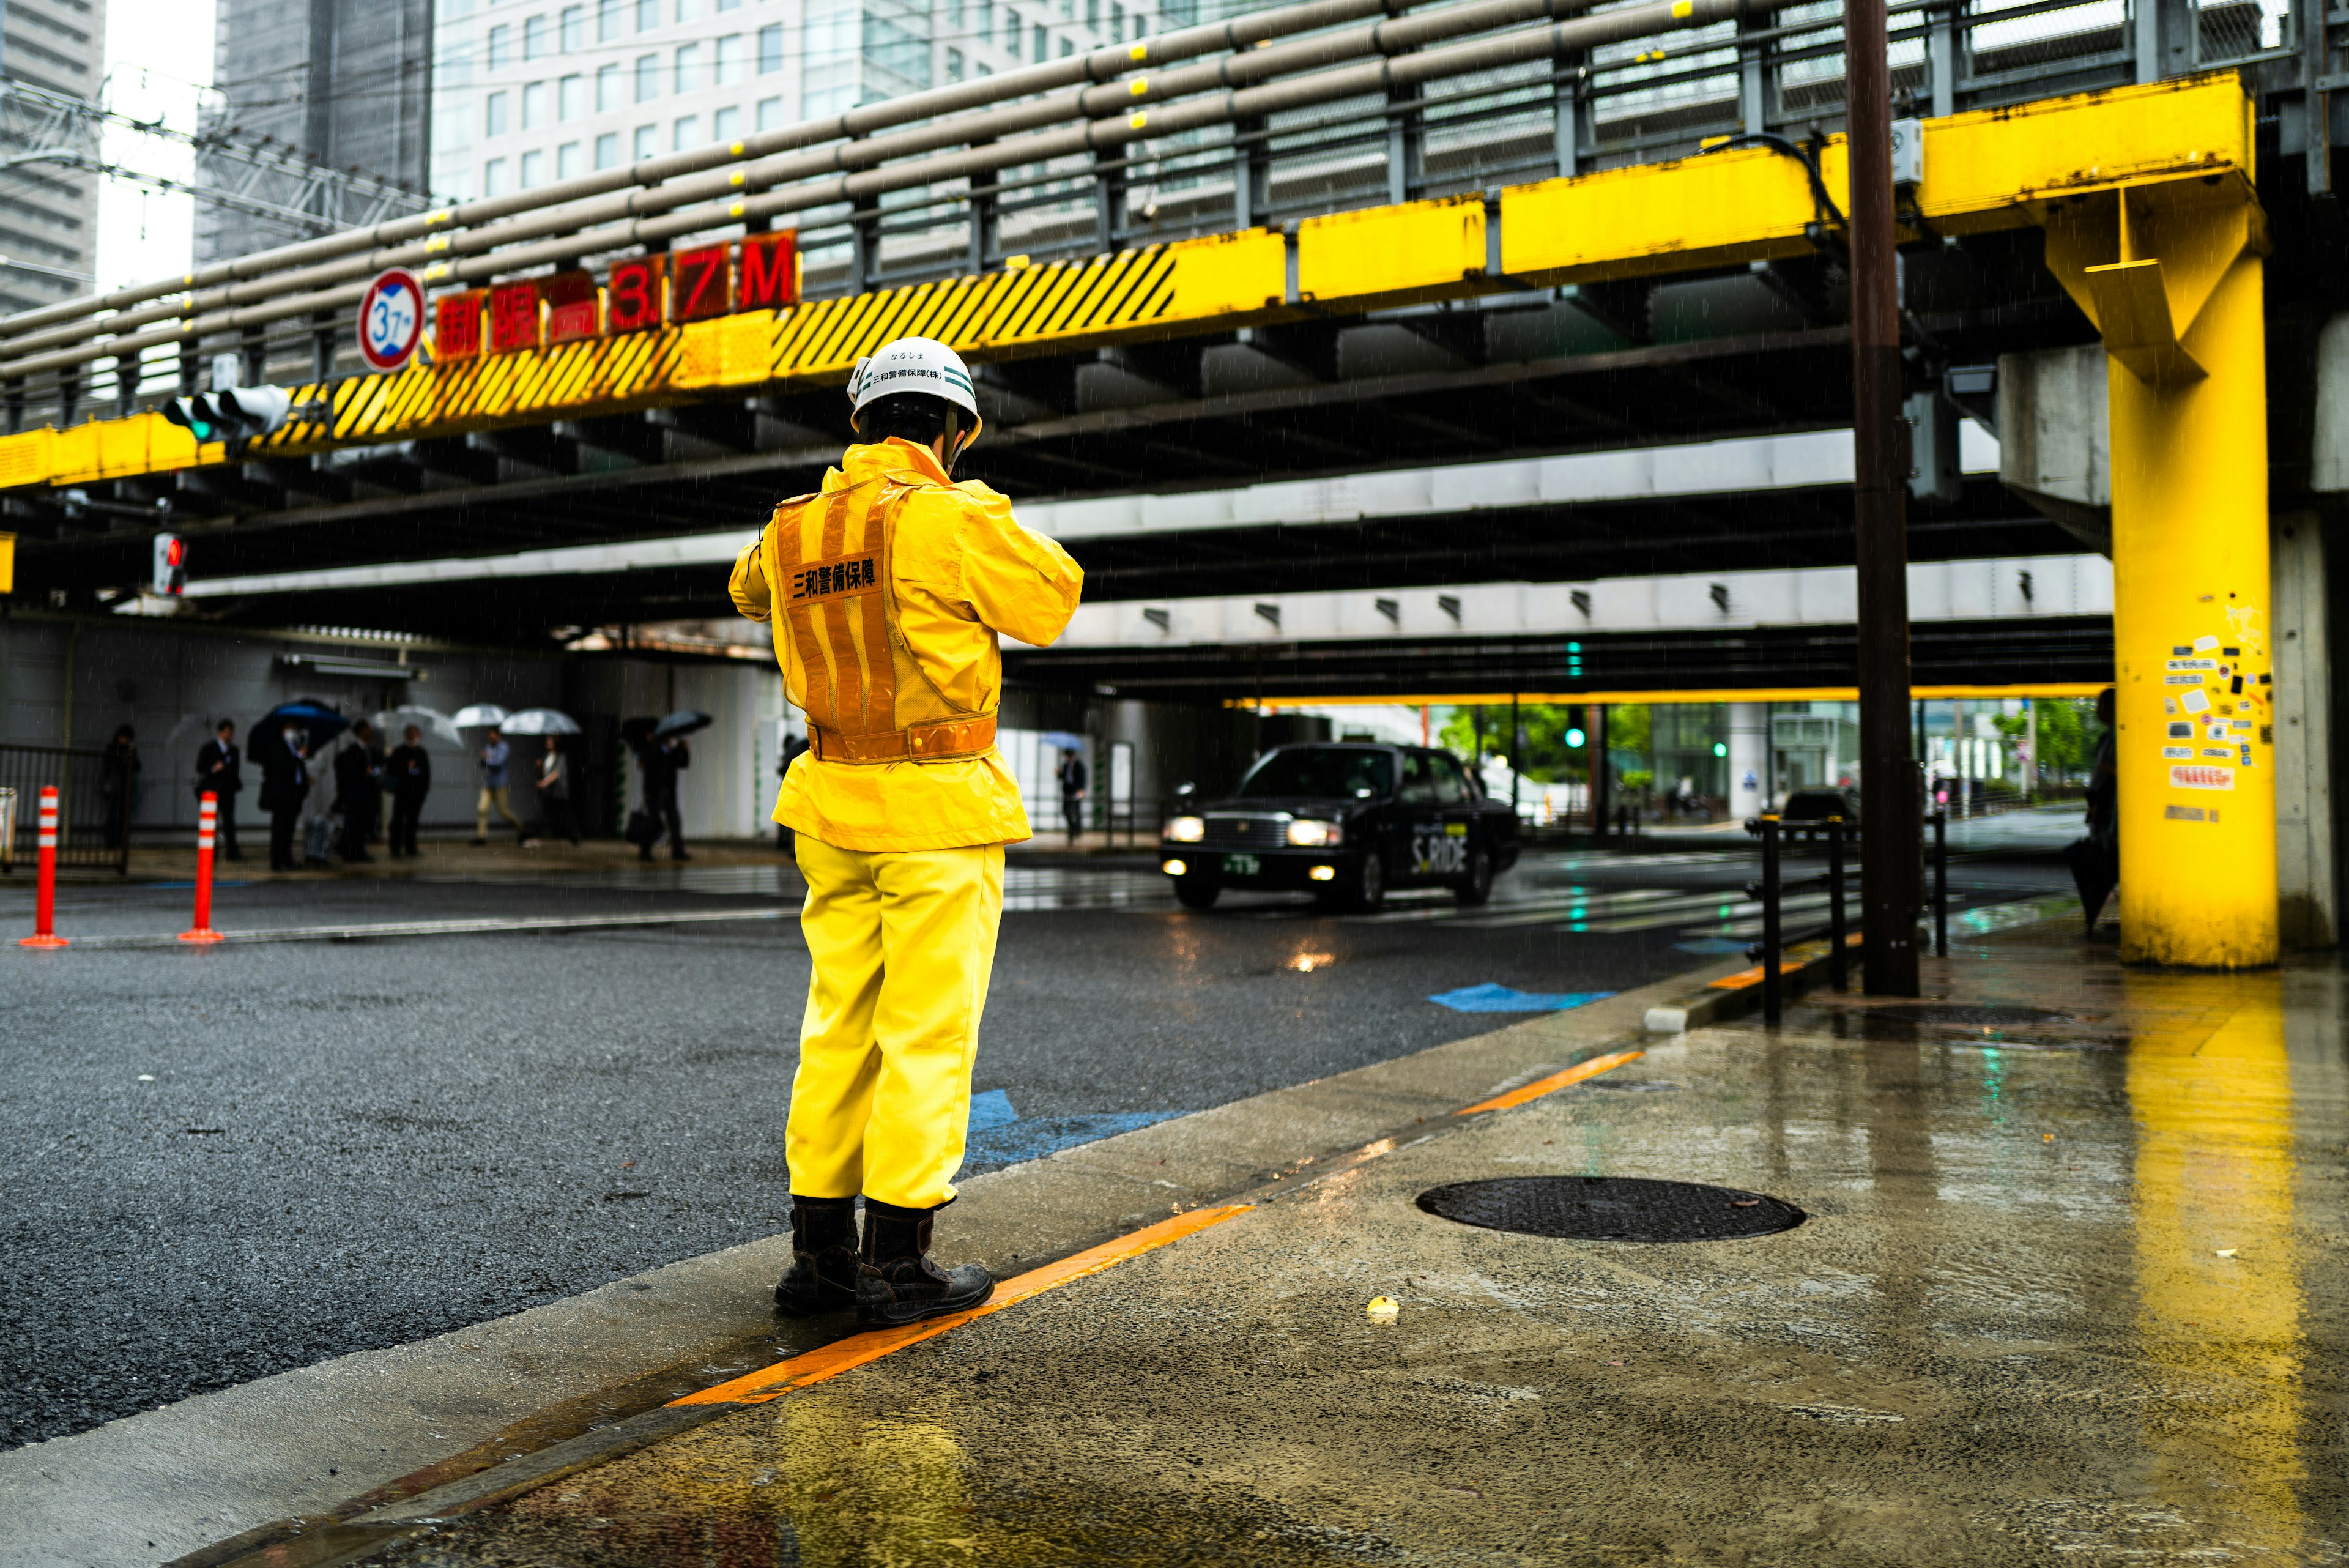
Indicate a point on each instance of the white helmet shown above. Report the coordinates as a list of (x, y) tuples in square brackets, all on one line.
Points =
[(922, 365)]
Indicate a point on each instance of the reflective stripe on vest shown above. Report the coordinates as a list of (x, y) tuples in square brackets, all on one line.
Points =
[(828, 562)]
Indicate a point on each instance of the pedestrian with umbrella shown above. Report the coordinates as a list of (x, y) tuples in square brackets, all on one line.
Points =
[(552, 774), (494, 756), (661, 758), (283, 743)]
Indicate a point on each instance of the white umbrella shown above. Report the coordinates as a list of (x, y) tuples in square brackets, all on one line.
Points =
[(480, 715), (391, 720), (540, 722)]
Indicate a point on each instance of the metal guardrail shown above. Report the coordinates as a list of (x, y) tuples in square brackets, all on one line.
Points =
[(93, 821), (1629, 101), (1770, 952)]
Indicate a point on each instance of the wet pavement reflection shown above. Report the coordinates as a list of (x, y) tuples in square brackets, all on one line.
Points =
[(2071, 1291)]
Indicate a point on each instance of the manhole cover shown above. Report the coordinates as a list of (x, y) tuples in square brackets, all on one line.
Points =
[(1611, 1208), (1985, 1016)]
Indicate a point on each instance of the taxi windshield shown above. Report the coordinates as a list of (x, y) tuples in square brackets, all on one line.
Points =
[(1343, 772)]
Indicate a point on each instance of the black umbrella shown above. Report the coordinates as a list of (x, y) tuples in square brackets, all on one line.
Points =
[(637, 732), (320, 724), (2095, 871), (684, 722)]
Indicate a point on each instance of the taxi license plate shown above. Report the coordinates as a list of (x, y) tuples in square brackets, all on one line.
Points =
[(1242, 866)]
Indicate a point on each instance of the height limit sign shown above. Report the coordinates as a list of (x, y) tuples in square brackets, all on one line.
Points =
[(391, 320)]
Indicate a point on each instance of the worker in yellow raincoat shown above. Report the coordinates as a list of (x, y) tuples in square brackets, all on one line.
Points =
[(886, 589)]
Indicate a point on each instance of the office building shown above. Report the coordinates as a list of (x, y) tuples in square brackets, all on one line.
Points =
[(49, 212)]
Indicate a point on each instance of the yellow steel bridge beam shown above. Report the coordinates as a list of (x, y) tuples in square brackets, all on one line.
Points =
[(1986, 169)]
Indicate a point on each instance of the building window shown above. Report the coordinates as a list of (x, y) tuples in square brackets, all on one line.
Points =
[(567, 163), (607, 20), (728, 4), (493, 115), (1134, 32), (771, 114), (1067, 49), (647, 78), (685, 133), (533, 168), (725, 125), (534, 37), (1036, 36), (570, 98), (954, 13), (954, 65), (688, 67), (1011, 32), (733, 55), (686, 10), (493, 177), (1116, 21), (1092, 15), (607, 88), (647, 14), (771, 48), (534, 106), (574, 29), (986, 29), (607, 149), (648, 141), (501, 46)]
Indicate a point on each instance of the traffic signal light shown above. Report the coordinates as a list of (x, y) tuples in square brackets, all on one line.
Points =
[(171, 577), (235, 415)]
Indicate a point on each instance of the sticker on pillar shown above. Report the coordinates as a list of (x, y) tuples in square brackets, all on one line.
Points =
[(2205, 644), (2193, 664), (2181, 729), (2195, 701), (2170, 705), (2181, 652), (2230, 653), (2218, 753), (2235, 687), (2182, 813), (2201, 776), (2181, 680), (2177, 754)]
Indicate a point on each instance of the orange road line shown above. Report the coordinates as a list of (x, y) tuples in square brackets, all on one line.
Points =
[(1540, 1086), (858, 1349)]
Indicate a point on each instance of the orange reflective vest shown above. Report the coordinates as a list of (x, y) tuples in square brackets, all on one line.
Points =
[(830, 556)]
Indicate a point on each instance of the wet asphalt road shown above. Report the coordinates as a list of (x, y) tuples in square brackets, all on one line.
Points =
[(229, 1163)]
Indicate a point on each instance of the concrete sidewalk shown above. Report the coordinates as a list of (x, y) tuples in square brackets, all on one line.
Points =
[(2065, 1294), (2069, 1288)]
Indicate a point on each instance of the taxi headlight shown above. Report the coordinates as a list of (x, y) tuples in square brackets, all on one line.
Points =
[(1187, 830), (1311, 834)]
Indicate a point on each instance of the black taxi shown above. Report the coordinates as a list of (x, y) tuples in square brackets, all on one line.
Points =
[(1345, 823)]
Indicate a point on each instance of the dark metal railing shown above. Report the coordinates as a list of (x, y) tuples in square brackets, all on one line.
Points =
[(94, 803), (1772, 889)]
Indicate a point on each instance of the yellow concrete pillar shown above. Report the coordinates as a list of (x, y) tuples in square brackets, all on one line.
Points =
[(2170, 273)]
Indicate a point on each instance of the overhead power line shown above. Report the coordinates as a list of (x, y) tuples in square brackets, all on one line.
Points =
[(260, 179)]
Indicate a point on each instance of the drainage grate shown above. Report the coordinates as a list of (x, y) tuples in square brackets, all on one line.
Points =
[(1611, 1208)]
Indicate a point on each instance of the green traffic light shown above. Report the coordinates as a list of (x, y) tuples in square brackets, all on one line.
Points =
[(201, 429)]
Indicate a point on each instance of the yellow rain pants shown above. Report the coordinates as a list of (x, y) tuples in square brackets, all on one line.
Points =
[(904, 941)]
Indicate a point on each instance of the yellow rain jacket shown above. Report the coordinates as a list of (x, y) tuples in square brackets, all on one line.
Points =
[(891, 552)]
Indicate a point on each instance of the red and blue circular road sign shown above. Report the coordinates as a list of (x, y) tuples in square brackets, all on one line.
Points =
[(391, 319)]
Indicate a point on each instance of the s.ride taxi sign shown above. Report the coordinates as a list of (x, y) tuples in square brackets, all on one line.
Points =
[(391, 319)]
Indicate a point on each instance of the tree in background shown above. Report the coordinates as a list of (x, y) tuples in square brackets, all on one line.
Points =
[(2067, 738), (1548, 758)]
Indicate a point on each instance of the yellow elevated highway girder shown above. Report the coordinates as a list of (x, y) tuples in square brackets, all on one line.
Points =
[(1984, 170)]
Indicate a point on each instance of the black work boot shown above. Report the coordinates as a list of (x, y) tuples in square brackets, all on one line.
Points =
[(823, 1275), (896, 1283)]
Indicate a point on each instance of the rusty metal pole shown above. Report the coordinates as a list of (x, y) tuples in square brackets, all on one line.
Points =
[(1891, 806)]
